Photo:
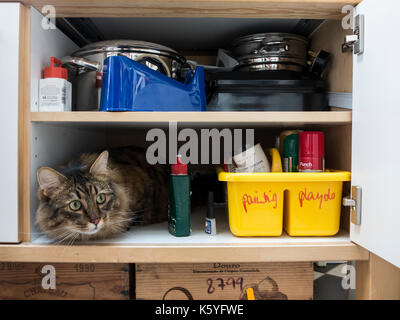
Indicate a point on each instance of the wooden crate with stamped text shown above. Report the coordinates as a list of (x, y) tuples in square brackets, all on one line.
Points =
[(224, 281), (86, 281)]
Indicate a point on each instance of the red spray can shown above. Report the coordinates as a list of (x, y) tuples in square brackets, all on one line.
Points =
[(311, 151)]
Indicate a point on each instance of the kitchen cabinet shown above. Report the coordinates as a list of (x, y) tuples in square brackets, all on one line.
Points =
[(361, 139)]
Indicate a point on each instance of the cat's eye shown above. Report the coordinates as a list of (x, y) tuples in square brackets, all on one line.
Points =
[(75, 205), (101, 197)]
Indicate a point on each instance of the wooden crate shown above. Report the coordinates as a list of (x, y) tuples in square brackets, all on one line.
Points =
[(73, 281), (224, 281)]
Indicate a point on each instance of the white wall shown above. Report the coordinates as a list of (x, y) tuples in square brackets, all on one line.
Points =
[(50, 145), (56, 144), (45, 44)]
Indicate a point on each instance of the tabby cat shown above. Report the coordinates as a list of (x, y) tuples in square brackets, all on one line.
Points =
[(100, 195)]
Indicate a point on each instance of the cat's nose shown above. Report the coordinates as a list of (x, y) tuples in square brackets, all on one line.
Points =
[(95, 221)]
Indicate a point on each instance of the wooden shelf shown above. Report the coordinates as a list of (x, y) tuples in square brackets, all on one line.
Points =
[(310, 9), (183, 253), (154, 244), (265, 118)]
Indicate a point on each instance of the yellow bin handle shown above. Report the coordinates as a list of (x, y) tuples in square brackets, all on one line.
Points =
[(276, 162)]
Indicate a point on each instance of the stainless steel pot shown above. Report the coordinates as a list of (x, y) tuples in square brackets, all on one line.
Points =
[(88, 64), (271, 51)]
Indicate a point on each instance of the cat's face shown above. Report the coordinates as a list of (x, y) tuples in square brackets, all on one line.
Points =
[(83, 205)]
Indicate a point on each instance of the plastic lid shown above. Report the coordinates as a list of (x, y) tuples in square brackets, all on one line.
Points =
[(53, 71), (291, 146), (179, 167), (311, 144), (121, 45)]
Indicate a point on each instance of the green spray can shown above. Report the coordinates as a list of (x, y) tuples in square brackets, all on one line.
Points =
[(291, 153), (179, 200)]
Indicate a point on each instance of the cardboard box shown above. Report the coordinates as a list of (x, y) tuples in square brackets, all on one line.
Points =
[(87, 281), (224, 281)]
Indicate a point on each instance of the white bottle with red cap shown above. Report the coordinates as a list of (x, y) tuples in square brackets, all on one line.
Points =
[(54, 89)]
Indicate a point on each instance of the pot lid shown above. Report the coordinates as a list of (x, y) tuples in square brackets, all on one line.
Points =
[(260, 37), (128, 46)]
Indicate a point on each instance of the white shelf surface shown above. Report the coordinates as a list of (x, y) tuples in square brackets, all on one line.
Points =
[(154, 244), (157, 234)]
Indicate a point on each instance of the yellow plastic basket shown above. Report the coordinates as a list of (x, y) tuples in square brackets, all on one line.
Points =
[(307, 203)]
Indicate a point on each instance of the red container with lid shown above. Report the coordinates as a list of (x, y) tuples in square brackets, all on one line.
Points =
[(55, 70), (311, 151)]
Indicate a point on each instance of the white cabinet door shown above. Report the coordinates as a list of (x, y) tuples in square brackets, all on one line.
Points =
[(376, 130), (9, 55)]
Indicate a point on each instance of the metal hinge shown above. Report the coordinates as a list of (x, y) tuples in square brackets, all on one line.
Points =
[(355, 41), (354, 202)]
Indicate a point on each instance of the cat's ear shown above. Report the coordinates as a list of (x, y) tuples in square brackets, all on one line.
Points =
[(100, 165), (50, 180)]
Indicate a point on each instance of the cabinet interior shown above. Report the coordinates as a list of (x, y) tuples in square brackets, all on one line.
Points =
[(198, 39), (181, 34), (52, 144)]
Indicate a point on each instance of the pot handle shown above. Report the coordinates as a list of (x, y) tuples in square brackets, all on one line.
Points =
[(81, 63), (269, 46), (191, 64)]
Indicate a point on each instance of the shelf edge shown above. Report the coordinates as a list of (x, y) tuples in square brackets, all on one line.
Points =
[(27, 252), (327, 117), (310, 9)]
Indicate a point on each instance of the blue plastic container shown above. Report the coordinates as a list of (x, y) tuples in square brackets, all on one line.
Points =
[(130, 86)]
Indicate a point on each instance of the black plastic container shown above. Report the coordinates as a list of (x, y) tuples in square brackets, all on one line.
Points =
[(265, 91)]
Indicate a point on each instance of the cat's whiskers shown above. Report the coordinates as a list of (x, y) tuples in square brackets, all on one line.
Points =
[(59, 233), (73, 238), (62, 240), (63, 236)]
